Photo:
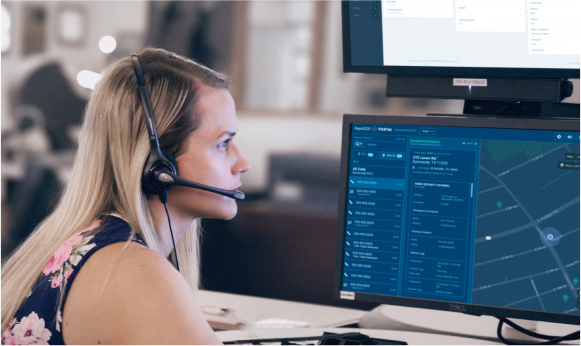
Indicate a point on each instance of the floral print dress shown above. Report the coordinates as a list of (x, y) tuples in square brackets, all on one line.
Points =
[(38, 321)]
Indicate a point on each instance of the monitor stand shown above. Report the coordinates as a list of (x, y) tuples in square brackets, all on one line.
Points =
[(521, 108), (391, 317)]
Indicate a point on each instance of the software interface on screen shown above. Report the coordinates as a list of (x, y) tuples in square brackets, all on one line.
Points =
[(473, 215), (466, 33)]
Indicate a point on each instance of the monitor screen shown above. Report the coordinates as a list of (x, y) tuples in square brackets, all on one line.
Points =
[(494, 38), (480, 214)]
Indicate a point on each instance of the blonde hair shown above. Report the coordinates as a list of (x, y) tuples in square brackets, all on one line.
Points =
[(106, 176)]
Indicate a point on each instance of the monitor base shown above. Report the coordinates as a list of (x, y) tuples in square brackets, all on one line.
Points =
[(388, 317)]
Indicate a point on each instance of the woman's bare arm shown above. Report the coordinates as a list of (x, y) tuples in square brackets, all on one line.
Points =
[(145, 301)]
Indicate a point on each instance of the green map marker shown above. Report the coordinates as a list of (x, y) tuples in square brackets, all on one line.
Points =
[(565, 298), (499, 204), (575, 281)]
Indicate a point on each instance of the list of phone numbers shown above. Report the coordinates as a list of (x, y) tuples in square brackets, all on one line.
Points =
[(374, 225)]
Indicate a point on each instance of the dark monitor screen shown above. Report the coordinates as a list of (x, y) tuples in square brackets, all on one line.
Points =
[(464, 214), (463, 38)]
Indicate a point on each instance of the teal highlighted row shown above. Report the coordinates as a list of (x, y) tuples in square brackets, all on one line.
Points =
[(377, 183)]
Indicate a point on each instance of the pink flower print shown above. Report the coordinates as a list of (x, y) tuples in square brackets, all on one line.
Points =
[(31, 330), (61, 255), (57, 280), (8, 338), (68, 273)]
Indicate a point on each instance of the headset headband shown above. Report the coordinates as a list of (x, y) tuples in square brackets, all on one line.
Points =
[(147, 108)]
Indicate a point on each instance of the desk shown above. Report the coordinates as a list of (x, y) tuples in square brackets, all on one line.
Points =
[(253, 309), (389, 317), (415, 326), (409, 337)]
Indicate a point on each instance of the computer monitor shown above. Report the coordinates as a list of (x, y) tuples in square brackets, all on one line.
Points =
[(467, 214), (466, 49)]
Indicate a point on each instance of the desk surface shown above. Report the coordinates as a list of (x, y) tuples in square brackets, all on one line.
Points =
[(409, 337), (253, 309), (437, 327), (452, 323)]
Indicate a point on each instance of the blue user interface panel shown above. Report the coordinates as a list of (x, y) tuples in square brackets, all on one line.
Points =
[(473, 215)]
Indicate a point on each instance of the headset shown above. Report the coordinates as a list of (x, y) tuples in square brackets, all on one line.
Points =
[(160, 172)]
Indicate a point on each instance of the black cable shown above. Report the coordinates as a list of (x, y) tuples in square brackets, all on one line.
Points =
[(552, 340), (528, 332), (163, 199), (510, 105), (503, 109), (325, 339)]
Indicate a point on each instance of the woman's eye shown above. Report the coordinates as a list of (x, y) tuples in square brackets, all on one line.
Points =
[(223, 144)]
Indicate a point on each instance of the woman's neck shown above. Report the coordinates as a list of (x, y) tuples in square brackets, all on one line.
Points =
[(180, 223)]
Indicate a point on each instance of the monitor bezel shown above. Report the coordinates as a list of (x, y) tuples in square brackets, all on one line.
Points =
[(559, 124), (456, 72)]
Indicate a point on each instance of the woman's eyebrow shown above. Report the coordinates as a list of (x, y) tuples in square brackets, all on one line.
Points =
[(230, 133)]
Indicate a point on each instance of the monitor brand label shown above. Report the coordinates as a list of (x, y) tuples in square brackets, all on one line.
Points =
[(348, 295), (457, 307), (470, 82)]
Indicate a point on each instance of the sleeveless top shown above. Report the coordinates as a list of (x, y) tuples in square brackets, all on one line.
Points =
[(38, 321)]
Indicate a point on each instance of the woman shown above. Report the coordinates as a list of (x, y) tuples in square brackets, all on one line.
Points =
[(126, 291)]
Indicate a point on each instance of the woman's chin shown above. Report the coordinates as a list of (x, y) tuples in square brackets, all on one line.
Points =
[(229, 215), (225, 212)]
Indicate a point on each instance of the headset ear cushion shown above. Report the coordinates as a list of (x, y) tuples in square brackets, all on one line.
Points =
[(170, 160)]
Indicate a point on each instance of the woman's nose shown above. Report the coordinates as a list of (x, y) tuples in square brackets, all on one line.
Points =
[(242, 164)]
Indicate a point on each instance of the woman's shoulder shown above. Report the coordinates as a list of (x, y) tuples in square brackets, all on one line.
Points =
[(44, 304), (114, 253), (63, 267), (128, 293)]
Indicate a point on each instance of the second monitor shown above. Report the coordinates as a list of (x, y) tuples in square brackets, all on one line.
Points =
[(474, 215)]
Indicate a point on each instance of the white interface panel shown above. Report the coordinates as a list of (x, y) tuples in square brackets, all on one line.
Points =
[(553, 26), (482, 33), (490, 15)]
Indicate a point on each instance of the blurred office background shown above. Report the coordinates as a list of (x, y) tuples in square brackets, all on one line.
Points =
[(285, 58)]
